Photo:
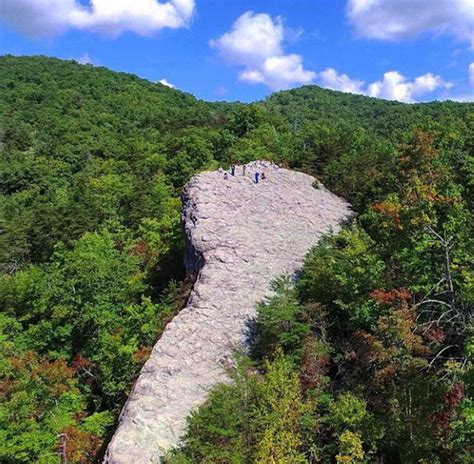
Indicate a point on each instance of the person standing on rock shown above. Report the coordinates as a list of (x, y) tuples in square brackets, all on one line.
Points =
[(232, 169), (244, 169), (257, 175)]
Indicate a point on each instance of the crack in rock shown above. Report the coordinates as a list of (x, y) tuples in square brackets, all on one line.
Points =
[(239, 237)]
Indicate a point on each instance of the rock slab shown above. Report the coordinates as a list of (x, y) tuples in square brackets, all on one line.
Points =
[(240, 236)]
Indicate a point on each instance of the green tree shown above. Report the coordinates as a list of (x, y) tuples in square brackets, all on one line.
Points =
[(280, 408)]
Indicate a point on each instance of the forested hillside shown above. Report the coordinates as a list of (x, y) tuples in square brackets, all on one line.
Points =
[(389, 119), (367, 359)]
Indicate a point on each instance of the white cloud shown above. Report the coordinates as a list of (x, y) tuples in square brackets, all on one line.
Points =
[(39, 18), (393, 85), (168, 84), (279, 72), (253, 38), (331, 79), (471, 73), (85, 59), (256, 42), (398, 20)]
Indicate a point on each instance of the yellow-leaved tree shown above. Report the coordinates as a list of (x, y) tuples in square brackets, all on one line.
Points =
[(279, 413)]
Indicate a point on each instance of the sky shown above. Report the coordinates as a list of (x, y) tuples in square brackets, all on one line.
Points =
[(406, 50)]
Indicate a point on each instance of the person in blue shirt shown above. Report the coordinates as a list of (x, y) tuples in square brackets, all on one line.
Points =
[(257, 175)]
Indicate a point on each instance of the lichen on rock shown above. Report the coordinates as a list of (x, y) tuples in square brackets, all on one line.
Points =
[(240, 235)]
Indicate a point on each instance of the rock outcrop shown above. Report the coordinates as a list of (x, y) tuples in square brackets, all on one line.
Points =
[(240, 236)]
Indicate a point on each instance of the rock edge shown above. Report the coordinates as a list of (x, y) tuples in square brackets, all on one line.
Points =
[(240, 235)]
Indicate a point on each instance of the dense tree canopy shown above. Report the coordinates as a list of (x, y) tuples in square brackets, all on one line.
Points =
[(368, 358)]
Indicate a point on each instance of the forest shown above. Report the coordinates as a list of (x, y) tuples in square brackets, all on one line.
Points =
[(368, 358)]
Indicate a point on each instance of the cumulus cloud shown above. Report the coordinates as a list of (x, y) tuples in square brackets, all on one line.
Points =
[(398, 20), (253, 38), (85, 59), (279, 72), (471, 74), (168, 84), (256, 42), (331, 79), (39, 18), (392, 86)]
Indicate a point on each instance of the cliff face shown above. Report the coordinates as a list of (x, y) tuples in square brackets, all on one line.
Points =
[(240, 236)]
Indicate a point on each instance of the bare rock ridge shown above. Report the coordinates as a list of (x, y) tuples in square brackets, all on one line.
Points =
[(240, 236)]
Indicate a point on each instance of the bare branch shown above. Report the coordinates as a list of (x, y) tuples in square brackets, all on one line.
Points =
[(440, 353)]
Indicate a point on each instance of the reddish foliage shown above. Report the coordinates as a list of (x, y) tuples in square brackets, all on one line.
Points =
[(49, 378), (398, 329), (314, 366), (368, 348), (435, 334), (6, 385), (386, 373), (395, 345), (142, 354), (80, 362), (79, 416), (140, 248), (389, 297), (391, 211), (451, 401), (422, 174), (81, 447), (419, 154), (455, 395)]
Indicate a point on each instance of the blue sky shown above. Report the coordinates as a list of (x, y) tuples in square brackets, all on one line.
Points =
[(408, 50)]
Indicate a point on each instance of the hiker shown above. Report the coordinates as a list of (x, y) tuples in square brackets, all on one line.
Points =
[(257, 175), (232, 169), (226, 176), (244, 169), (263, 176)]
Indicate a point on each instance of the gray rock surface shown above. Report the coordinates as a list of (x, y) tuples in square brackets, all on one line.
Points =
[(240, 236)]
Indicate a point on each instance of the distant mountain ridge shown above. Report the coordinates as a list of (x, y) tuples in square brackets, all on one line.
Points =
[(309, 103), (384, 117)]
